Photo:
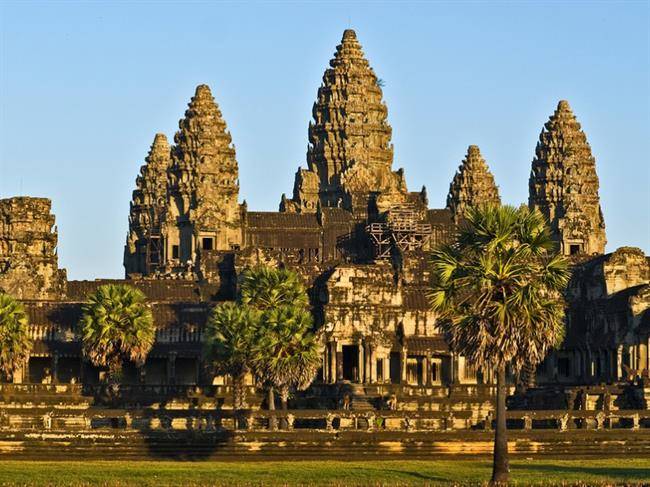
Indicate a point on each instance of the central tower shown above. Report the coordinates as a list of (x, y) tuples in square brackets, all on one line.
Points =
[(350, 155)]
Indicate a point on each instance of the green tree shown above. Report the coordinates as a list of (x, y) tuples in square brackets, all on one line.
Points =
[(116, 325), (286, 355), (231, 334), (498, 290), (15, 342)]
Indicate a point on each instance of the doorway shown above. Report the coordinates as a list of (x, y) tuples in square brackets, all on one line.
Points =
[(350, 362)]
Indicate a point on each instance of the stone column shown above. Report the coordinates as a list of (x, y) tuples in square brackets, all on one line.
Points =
[(386, 368), (55, 368), (372, 352), (427, 369), (403, 366), (619, 362), (332, 354), (361, 369), (339, 361), (171, 368)]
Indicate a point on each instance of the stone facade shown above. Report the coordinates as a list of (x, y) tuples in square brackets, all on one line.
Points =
[(354, 233), (564, 185), (473, 185), (29, 267)]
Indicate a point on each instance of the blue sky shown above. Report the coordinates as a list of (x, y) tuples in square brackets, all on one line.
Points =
[(84, 86)]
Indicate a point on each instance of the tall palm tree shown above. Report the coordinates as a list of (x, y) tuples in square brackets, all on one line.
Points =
[(116, 325), (287, 350), (15, 342), (287, 355), (498, 289), (231, 334)]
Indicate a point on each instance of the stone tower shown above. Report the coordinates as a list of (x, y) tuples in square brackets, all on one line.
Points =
[(202, 211), (473, 184), (350, 154), (564, 186), (29, 265), (143, 252)]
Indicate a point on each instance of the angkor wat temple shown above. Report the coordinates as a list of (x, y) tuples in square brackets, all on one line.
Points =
[(356, 234)]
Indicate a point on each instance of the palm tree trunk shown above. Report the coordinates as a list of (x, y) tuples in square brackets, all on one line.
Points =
[(284, 397), (239, 393), (273, 421), (500, 467)]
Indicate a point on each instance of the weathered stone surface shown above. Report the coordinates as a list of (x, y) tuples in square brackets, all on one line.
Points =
[(473, 184), (28, 250), (564, 185), (143, 250), (349, 153)]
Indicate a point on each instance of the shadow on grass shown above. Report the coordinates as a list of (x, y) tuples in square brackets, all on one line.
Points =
[(628, 473), (416, 475)]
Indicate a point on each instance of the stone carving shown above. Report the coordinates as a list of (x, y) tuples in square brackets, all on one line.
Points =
[(349, 153), (564, 185), (29, 264), (473, 184), (143, 250)]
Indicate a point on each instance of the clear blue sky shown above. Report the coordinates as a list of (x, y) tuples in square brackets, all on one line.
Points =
[(85, 86)]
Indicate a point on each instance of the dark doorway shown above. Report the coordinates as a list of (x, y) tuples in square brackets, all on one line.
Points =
[(186, 371), (40, 370), (350, 362), (395, 367), (68, 370)]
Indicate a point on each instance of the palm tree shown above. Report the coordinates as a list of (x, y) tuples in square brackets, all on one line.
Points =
[(287, 355), (231, 334), (287, 351), (498, 289), (266, 288), (15, 342), (116, 325)]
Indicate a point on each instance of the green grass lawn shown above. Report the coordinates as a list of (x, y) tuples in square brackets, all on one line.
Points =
[(389, 472)]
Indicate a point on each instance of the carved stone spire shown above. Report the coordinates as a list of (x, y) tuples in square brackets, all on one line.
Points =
[(350, 154), (203, 182), (564, 185), (142, 250), (473, 184)]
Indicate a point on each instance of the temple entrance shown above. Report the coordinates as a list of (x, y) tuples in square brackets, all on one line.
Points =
[(68, 370), (350, 362), (40, 370), (395, 368)]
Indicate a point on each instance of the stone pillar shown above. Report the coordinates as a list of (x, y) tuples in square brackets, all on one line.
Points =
[(361, 369), (386, 368), (55, 368), (619, 362), (403, 366), (171, 368), (373, 364), (332, 356), (339, 361), (325, 365), (643, 356), (18, 376), (427, 369)]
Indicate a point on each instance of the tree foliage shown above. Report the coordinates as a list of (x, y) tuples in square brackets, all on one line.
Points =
[(499, 286), (116, 325), (15, 342)]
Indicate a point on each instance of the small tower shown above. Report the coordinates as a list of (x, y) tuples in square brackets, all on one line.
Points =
[(473, 185), (203, 212), (350, 154), (563, 185), (143, 252), (29, 264)]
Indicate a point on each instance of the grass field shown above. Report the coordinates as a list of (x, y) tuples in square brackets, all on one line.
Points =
[(393, 472)]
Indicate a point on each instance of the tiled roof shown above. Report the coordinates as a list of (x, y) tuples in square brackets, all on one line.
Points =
[(440, 217), (415, 298), (337, 215), (426, 344), (155, 290), (281, 220)]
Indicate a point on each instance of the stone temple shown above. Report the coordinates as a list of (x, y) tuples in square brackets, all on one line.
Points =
[(358, 237)]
